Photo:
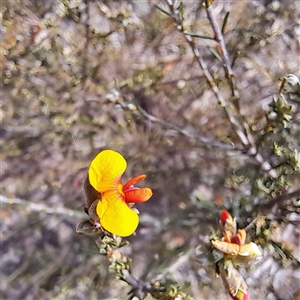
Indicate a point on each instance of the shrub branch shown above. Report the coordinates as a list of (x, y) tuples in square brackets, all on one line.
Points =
[(241, 128)]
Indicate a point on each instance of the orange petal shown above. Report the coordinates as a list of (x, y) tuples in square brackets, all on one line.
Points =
[(250, 249), (138, 195), (115, 216), (227, 237), (133, 181), (105, 170), (242, 234)]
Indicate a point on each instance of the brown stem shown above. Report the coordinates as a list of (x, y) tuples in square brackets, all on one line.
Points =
[(205, 140), (32, 206), (278, 200)]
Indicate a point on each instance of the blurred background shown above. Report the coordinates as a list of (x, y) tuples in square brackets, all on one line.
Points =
[(80, 76)]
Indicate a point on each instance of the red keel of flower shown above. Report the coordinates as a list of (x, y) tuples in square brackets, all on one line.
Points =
[(136, 195), (224, 216)]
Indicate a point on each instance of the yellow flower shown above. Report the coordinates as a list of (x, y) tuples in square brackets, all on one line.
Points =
[(113, 209)]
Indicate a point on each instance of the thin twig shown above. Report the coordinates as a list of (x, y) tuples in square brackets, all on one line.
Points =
[(205, 37), (32, 206), (241, 128), (86, 45), (251, 224), (278, 200), (234, 122), (205, 140), (220, 40)]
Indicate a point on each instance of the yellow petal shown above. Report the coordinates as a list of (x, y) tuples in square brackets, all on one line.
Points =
[(105, 170), (250, 249), (227, 248), (115, 216)]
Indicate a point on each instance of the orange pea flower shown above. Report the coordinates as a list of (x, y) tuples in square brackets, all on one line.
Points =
[(232, 244), (113, 209)]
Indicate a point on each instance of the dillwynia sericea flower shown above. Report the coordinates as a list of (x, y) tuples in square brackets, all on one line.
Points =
[(114, 206), (232, 244)]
